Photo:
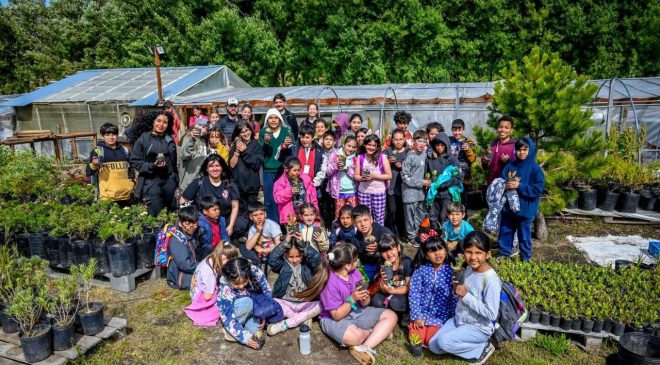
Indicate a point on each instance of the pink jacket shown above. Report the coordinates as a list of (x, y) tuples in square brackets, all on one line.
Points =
[(284, 197)]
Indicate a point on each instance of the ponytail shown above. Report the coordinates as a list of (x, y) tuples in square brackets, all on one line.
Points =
[(342, 254)]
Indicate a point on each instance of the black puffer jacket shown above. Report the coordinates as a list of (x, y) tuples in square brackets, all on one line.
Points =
[(246, 172)]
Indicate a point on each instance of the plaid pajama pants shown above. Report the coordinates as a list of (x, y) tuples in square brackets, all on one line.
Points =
[(376, 204)]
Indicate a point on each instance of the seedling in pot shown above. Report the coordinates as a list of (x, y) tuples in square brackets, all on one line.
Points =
[(415, 345)]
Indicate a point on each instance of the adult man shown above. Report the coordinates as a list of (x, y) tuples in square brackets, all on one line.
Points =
[(279, 103), (229, 121)]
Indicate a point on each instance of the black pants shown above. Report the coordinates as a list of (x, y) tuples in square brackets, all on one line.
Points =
[(398, 302), (326, 206), (394, 218), (247, 198), (158, 193), (439, 210), (241, 227)]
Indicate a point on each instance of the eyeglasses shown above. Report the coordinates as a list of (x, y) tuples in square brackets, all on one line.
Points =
[(422, 141)]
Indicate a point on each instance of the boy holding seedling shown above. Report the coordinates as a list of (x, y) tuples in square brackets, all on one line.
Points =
[(455, 228), (501, 151)]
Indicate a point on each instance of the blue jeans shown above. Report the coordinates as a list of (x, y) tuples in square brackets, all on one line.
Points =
[(509, 224), (243, 313), (269, 202), (371, 270)]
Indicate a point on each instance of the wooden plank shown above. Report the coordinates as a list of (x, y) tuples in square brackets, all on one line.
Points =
[(83, 344), (106, 333), (10, 337), (118, 323), (538, 326), (13, 352)]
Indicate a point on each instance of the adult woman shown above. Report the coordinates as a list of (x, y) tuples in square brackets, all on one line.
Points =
[(154, 157), (271, 138), (217, 183), (193, 152), (246, 158), (372, 172), (246, 115), (312, 116)]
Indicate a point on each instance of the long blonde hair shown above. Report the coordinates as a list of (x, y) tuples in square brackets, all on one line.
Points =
[(214, 259)]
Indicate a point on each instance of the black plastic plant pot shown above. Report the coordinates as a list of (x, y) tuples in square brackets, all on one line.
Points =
[(122, 259), (53, 251), (38, 347), (9, 325), (64, 337), (99, 251), (81, 253), (632, 328), (607, 325), (555, 320), (609, 199), (647, 201), (587, 199), (618, 328), (639, 348), (628, 202), (66, 251), (656, 207), (534, 316), (566, 323), (23, 244), (598, 325), (587, 325), (415, 350), (574, 203), (2, 237), (145, 251), (544, 319), (91, 322), (622, 264), (577, 324), (38, 246)]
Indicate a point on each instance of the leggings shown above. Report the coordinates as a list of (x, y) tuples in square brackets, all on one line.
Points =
[(341, 202), (297, 313)]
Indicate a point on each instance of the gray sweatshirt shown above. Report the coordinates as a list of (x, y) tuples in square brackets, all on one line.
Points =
[(480, 306), (412, 177)]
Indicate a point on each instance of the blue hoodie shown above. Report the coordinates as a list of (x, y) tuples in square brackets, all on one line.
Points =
[(531, 185)]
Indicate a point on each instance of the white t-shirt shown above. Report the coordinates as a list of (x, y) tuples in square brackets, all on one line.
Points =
[(270, 232)]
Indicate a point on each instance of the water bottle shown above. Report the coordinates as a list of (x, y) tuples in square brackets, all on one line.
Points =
[(305, 340)]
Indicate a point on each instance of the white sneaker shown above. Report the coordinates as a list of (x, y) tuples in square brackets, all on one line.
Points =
[(363, 354), (276, 328)]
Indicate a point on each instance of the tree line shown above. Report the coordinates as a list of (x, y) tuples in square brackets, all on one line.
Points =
[(299, 42)]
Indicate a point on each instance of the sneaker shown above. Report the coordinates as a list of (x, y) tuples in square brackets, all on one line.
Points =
[(276, 328), (363, 354), (488, 351), (514, 251), (229, 338)]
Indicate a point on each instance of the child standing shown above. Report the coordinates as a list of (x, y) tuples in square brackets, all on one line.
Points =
[(413, 183), (238, 283), (396, 154), (435, 167), (432, 130), (466, 335), (295, 262), (217, 143), (455, 229), (501, 151), (529, 184), (346, 316), (263, 236), (204, 288), (372, 172), (292, 190), (402, 120), (344, 229), (393, 280), (211, 224), (432, 302), (108, 167), (311, 230), (461, 147), (341, 184)]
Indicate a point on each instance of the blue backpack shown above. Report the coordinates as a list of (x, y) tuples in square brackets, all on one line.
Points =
[(162, 255), (511, 315)]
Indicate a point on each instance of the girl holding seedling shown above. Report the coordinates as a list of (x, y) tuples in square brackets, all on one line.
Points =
[(372, 172), (467, 333), (341, 184), (432, 302), (394, 277), (311, 229), (292, 190)]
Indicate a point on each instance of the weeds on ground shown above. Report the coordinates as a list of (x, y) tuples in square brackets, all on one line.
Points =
[(556, 344)]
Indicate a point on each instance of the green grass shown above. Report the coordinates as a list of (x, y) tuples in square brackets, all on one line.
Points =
[(556, 344)]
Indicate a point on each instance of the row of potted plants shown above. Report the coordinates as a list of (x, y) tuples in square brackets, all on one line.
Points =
[(121, 239), (45, 312), (587, 298)]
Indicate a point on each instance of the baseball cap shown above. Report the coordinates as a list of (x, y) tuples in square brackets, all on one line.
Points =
[(232, 101)]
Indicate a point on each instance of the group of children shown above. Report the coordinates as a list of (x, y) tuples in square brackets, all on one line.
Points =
[(323, 229)]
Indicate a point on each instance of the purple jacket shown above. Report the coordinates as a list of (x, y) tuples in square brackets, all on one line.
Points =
[(334, 174)]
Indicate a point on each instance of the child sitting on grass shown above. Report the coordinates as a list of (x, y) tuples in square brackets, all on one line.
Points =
[(466, 334), (295, 262), (211, 224), (344, 229), (263, 236), (346, 316)]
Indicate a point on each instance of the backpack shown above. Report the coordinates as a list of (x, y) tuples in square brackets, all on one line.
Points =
[(162, 255), (360, 159), (511, 315)]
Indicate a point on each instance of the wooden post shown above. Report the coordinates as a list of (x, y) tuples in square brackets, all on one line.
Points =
[(158, 80)]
